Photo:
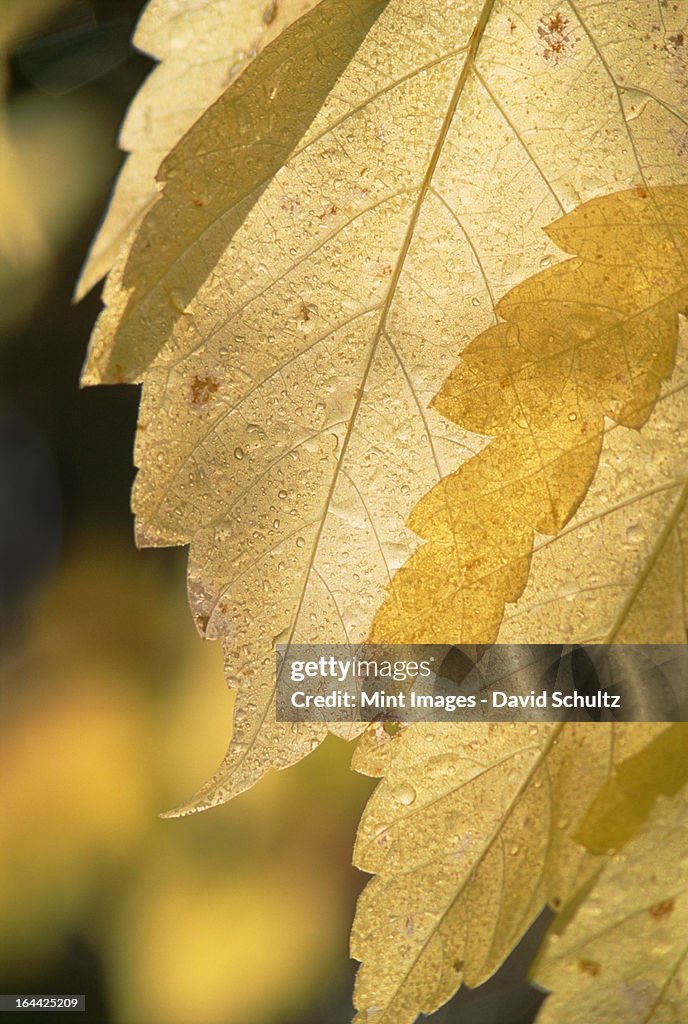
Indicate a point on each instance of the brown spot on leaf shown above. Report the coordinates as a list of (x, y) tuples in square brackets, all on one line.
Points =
[(660, 911), (201, 390), (556, 33), (680, 140), (289, 203), (270, 13), (458, 966), (306, 311), (590, 967)]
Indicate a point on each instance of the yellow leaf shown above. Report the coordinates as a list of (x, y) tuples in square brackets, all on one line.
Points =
[(624, 956), (329, 236), (623, 803), (470, 834), (201, 49), (585, 342)]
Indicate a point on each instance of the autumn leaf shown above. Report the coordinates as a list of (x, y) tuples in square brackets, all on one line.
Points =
[(329, 237), (470, 833), (624, 955), (202, 48)]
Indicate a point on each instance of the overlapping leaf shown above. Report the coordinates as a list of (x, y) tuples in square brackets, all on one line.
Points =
[(202, 47), (584, 342)]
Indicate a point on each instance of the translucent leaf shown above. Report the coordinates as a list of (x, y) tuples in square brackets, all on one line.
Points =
[(330, 236), (624, 956), (202, 47), (470, 834)]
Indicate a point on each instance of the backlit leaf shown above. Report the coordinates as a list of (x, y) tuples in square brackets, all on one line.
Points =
[(584, 343), (624, 956), (470, 834), (330, 236), (202, 47)]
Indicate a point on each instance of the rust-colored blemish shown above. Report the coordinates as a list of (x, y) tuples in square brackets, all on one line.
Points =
[(289, 203), (680, 140), (590, 967), (201, 390), (641, 191), (458, 966), (660, 911), (555, 32), (306, 311)]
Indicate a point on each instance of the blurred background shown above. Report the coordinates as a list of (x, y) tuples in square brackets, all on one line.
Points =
[(113, 710)]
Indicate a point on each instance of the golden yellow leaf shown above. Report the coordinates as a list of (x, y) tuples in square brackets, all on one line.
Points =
[(624, 801), (582, 343), (623, 958), (329, 237), (470, 834), (202, 47)]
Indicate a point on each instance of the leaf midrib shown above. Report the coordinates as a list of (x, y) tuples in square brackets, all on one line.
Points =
[(473, 47)]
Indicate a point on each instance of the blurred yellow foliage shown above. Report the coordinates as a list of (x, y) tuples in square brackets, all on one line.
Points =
[(112, 703)]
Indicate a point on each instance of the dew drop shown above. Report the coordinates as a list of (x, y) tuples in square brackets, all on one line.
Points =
[(475, 301), (573, 416), (238, 453), (282, 495), (300, 542), (404, 795)]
